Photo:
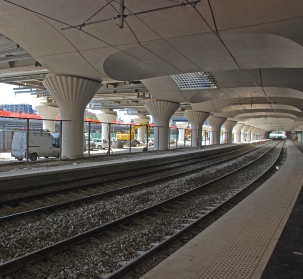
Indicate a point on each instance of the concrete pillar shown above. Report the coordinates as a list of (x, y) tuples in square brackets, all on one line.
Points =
[(257, 134), (105, 118), (161, 112), (196, 119), (296, 134), (243, 132), (72, 94), (254, 134), (248, 133), (215, 123), (237, 132), (228, 128), (261, 134), (143, 120), (299, 136), (48, 112), (181, 129)]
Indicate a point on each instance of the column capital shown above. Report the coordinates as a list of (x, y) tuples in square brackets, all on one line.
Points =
[(181, 125), (162, 109), (70, 91), (196, 118), (229, 125), (107, 117), (238, 127), (48, 112), (216, 122), (141, 120), (245, 128)]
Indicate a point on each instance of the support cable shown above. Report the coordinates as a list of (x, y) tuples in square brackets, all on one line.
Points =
[(98, 11), (227, 49), (212, 14), (87, 33), (171, 47), (138, 41), (133, 14)]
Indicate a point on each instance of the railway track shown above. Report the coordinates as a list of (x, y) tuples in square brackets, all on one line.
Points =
[(179, 205), (109, 185)]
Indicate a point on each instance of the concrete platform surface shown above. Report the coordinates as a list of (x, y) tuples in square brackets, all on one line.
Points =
[(240, 243), (286, 260)]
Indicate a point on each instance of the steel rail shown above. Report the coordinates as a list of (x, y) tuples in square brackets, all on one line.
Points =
[(167, 241), (125, 171), (57, 206), (38, 255), (111, 180)]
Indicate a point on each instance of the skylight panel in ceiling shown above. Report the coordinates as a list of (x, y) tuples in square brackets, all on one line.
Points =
[(194, 81)]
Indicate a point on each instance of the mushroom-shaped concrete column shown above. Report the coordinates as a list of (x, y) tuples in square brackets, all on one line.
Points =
[(248, 132), (181, 127), (141, 120), (260, 134), (228, 128), (243, 132), (161, 112), (215, 123), (72, 94), (299, 133), (196, 119), (257, 131), (237, 131), (105, 118), (48, 112), (254, 134)]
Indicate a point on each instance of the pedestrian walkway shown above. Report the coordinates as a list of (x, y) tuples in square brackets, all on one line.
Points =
[(240, 243)]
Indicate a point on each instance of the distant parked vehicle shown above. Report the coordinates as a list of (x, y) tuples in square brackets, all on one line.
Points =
[(92, 144), (42, 143), (101, 143), (150, 142)]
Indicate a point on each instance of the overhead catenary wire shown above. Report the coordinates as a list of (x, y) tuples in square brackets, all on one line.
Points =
[(132, 14), (136, 15), (193, 4), (102, 8), (216, 33), (89, 34), (138, 41)]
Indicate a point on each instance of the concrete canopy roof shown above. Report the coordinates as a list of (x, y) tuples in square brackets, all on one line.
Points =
[(254, 50)]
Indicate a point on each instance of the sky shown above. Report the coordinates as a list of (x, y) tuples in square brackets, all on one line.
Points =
[(7, 96)]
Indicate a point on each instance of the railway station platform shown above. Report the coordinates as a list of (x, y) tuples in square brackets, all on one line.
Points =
[(261, 237)]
